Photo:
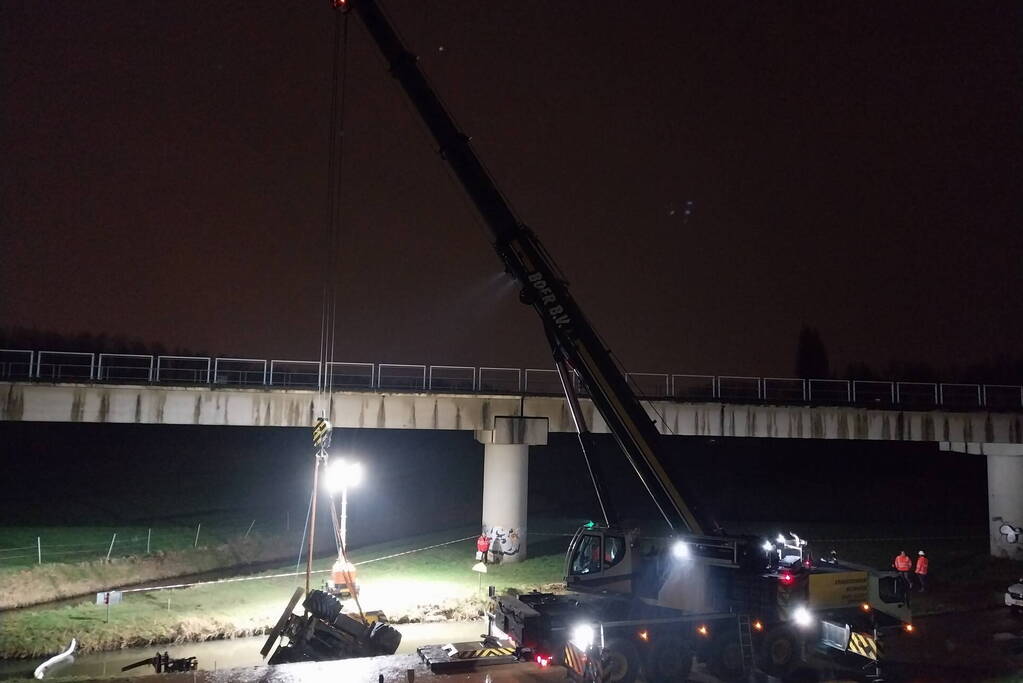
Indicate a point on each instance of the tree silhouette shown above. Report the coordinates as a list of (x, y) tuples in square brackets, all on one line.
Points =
[(811, 356)]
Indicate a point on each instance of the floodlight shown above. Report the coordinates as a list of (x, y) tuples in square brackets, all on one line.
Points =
[(342, 474)]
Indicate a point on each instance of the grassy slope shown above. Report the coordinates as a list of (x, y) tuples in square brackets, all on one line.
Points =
[(47, 582), (435, 584), (18, 548), (431, 584)]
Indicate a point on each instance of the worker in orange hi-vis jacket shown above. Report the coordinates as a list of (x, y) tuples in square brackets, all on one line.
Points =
[(921, 570), (904, 566), (482, 547)]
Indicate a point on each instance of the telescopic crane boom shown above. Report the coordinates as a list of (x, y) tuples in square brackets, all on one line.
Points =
[(573, 340)]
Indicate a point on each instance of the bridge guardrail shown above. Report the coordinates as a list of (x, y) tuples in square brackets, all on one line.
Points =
[(78, 366), (401, 377), (124, 367), (500, 380), (304, 374), (873, 392), (352, 375), (783, 389), (739, 388), (1001, 395), (239, 371), (451, 378), (16, 363), (539, 381), (65, 365), (694, 387), (183, 369)]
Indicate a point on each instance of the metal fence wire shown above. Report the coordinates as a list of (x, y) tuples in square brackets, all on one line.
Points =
[(53, 545)]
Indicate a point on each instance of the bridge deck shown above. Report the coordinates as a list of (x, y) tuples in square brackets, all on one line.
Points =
[(119, 404)]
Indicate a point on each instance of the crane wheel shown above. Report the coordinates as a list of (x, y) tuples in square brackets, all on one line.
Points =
[(780, 651), (322, 605), (726, 658), (619, 661), (670, 659)]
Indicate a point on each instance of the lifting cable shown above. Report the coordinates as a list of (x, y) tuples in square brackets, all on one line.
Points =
[(331, 242), (332, 226)]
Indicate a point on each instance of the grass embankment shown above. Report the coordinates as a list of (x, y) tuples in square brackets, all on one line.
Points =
[(23, 547), (48, 582), (430, 585)]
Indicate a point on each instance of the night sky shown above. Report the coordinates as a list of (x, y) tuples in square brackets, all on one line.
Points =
[(851, 166)]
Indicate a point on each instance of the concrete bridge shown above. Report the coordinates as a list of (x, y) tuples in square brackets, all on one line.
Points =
[(507, 425), (265, 407)]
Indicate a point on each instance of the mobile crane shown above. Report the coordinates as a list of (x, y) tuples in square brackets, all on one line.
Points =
[(738, 602)]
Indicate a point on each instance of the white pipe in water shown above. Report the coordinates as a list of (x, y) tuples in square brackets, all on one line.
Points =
[(65, 656)]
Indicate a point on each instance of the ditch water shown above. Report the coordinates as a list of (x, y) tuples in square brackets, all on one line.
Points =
[(222, 654)]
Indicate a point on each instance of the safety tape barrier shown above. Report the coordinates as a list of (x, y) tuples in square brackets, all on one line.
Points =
[(287, 574)]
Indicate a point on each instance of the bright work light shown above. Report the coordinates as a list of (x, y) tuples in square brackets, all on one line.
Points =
[(342, 474), (802, 617), (582, 636)]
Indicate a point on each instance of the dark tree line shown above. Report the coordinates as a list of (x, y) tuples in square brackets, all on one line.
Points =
[(85, 342), (812, 362)]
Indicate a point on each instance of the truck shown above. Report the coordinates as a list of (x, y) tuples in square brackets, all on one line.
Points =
[(640, 602)]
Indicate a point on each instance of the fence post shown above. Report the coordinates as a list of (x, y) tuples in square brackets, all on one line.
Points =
[(39, 548), (149, 538), (111, 548), (196, 543), (250, 528)]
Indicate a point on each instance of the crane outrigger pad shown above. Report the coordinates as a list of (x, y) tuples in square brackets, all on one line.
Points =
[(468, 656)]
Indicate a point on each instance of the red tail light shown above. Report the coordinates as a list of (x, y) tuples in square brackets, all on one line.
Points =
[(786, 578), (543, 660)]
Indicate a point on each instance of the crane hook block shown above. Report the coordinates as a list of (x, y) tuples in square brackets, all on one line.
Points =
[(321, 433)]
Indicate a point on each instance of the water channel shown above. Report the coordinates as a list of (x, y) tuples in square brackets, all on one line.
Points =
[(223, 654)]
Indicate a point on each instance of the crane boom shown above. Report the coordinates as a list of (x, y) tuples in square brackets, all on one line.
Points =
[(572, 338)]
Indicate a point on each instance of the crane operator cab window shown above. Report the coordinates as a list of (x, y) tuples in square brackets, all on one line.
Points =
[(587, 555), (614, 550), (589, 558)]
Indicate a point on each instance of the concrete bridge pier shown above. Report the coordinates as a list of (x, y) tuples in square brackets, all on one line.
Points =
[(506, 481), (1004, 494)]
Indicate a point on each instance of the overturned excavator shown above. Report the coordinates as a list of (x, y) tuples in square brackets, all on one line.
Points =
[(323, 632)]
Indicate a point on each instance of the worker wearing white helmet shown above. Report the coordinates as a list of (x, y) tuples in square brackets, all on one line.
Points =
[(921, 571)]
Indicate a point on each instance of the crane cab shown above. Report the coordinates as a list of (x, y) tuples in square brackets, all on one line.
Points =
[(600, 559)]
